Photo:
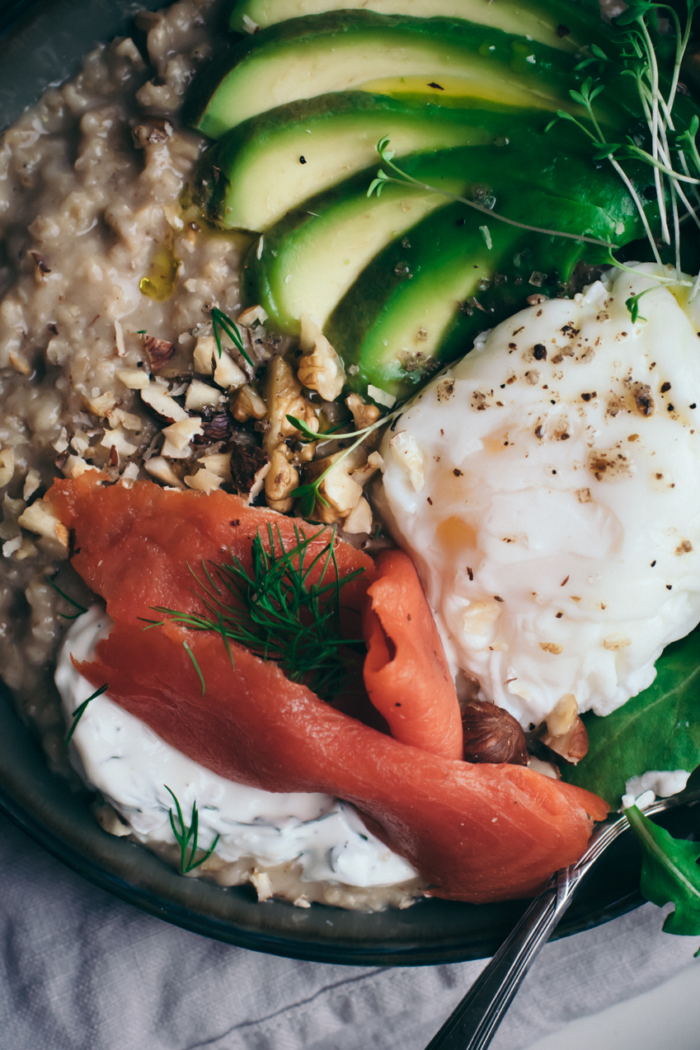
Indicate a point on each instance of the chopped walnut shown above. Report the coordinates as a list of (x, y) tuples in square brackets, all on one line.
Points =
[(284, 398), (320, 368), (359, 520), (363, 415), (282, 478), (246, 404)]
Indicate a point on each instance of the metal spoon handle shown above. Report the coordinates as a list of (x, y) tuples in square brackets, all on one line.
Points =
[(473, 1023)]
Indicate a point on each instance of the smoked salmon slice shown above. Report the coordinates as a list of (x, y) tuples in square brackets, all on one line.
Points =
[(475, 832), (405, 671)]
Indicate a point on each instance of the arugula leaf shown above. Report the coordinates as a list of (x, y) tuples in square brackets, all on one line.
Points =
[(659, 729), (670, 873)]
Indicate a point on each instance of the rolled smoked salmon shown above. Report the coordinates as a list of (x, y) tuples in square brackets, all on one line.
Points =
[(476, 832), (405, 672)]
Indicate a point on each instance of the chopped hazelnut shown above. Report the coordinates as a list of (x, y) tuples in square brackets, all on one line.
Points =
[(163, 404), (101, 405), (253, 315), (200, 395), (572, 746), (204, 353), (158, 467), (41, 519), (227, 374), (7, 466), (491, 734), (181, 433), (133, 378), (203, 481), (562, 716)]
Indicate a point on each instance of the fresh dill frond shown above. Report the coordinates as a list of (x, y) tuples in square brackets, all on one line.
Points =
[(197, 668), (186, 838), (80, 711), (221, 322), (276, 611), (76, 605)]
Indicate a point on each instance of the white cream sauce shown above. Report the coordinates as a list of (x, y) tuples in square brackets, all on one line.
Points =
[(123, 759)]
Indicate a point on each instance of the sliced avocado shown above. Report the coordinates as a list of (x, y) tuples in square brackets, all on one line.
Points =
[(305, 263), (260, 170), (560, 25), (340, 51), (421, 301)]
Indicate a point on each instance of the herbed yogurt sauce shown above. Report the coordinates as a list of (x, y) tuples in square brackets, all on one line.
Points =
[(323, 838)]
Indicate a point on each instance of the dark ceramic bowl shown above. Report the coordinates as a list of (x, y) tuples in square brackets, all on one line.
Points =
[(41, 41)]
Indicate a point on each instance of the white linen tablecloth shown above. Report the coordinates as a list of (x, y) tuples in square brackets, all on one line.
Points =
[(82, 970)]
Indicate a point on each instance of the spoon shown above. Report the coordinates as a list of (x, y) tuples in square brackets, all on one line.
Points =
[(473, 1023)]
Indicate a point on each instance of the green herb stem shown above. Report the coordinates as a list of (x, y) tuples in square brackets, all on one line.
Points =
[(186, 837), (80, 711)]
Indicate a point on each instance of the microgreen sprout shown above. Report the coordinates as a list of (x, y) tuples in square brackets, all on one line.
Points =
[(400, 178), (310, 494), (80, 711), (221, 322), (632, 305), (186, 838), (286, 609)]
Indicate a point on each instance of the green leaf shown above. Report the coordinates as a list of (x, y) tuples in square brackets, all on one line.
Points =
[(658, 729), (670, 873)]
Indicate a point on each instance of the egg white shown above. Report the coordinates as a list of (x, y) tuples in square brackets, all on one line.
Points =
[(548, 488)]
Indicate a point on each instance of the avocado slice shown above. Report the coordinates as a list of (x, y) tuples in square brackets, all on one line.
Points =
[(260, 170), (310, 259), (557, 24), (340, 51), (419, 304)]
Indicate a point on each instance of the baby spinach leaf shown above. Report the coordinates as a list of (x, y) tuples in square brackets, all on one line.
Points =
[(670, 873), (658, 729)]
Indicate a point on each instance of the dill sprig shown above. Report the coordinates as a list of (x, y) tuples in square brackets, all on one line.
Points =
[(221, 322), (276, 611), (80, 711), (186, 837), (76, 605)]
